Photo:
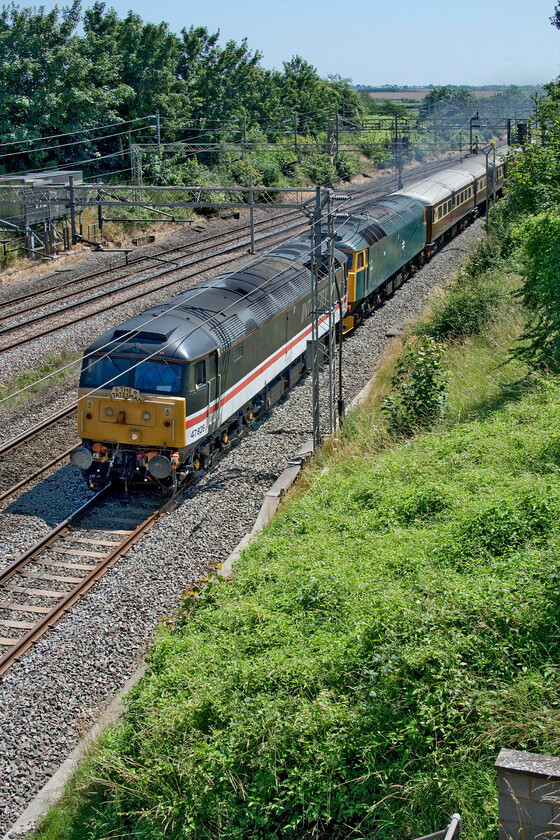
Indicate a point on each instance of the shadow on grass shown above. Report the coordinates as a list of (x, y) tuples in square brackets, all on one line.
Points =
[(510, 392)]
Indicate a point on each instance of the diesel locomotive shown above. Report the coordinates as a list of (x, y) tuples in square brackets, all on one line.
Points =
[(164, 392)]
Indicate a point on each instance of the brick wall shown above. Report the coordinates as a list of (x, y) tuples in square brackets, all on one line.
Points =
[(529, 796)]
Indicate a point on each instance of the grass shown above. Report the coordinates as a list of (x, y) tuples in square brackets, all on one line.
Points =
[(391, 630), (54, 367)]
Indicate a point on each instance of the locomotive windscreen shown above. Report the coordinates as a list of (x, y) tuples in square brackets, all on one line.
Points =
[(152, 375)]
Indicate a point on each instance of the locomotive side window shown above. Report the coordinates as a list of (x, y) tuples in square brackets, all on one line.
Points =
[(211, 366), (360, 260), (237, 353), (197, 375)]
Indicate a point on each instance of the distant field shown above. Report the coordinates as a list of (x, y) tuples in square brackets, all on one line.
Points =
[(418, 95)]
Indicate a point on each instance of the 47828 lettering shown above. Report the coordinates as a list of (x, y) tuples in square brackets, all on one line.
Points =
[(198, 430)]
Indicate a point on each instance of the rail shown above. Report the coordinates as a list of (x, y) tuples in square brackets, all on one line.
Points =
[(50, 615)]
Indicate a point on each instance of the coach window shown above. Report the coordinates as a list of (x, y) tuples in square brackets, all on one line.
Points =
[(197, 375)]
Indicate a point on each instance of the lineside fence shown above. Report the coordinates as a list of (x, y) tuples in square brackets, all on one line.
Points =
[(50, 217)]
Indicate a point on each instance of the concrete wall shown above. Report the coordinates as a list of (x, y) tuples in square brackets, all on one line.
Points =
[(529, 796)]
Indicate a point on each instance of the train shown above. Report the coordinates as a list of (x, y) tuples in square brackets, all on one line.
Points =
[(164, 393)]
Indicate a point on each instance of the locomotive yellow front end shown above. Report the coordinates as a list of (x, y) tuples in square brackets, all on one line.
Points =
[(129, 434)]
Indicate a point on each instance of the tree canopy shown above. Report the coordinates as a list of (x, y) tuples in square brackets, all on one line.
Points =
[(55, 78)]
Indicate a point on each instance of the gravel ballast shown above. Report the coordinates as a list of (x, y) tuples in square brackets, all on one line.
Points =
[(54, 693)]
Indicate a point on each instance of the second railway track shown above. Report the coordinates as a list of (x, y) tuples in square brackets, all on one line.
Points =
[(27, 456), (38, 587)]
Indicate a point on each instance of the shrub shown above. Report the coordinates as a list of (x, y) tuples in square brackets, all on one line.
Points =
[(465, 308), (419, 387), (346, 165)]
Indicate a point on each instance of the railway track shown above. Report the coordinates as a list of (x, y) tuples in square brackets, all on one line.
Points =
[(130, 268), (130, 292), (26, 462), (45, 581)]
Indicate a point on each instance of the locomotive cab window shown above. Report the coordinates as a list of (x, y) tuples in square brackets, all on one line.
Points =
[(350, 258), (158, 377), (197, 375), (151, 375), (360, 263)]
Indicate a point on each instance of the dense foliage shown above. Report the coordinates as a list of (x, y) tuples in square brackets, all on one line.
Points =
[(55, 79), (531, 222), (418, 391)]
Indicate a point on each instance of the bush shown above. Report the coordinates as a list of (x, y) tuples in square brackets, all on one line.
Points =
[(346, 165), (485, 255), (465, 308), (539, 239), (419, 387)]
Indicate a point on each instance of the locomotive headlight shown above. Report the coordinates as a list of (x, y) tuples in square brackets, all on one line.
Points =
[(134, 436), (109, 412), (146, 415)]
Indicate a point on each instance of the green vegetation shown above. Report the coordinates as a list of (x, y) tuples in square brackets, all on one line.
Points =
[(56, 79), (418, 390), (54, 367)]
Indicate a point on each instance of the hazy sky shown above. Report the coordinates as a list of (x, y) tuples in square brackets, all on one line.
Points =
[(380, 41)]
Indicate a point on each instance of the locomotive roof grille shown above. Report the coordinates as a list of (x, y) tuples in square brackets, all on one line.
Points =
[(285, 294), (229, 331), (159, 338), (262, 310)]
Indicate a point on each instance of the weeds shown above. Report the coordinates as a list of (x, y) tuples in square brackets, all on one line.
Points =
[(418, 388), (54, 370)]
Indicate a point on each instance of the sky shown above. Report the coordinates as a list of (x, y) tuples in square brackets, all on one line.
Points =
[(377, 42)]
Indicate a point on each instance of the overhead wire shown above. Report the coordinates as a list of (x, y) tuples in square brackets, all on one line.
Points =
[(73, 133)]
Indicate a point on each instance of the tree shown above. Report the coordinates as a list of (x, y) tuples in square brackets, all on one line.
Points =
[(540, 243), (446, 100)]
